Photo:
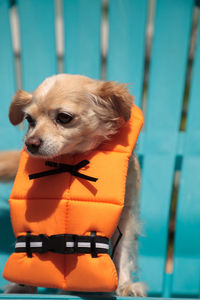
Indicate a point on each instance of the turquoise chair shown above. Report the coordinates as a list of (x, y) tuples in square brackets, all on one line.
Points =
[(164, 150)]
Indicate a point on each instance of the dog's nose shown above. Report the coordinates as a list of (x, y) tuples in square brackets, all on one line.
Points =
[(33, 144)]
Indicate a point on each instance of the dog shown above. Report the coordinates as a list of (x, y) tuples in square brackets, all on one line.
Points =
[(70, 114)]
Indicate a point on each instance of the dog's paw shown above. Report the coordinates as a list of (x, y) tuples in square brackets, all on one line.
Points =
[(136, 289), (13, 288)]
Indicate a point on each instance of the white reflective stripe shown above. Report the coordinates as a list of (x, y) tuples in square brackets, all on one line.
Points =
[(84, 244), (32, 244), (69, 244), (20, 244), (36, 244), (87, 245), (80, 244), (102, 246)]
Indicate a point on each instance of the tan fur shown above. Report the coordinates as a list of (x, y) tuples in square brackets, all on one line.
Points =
[(99, 109), (20, 100), (118, 96), (9, 161)]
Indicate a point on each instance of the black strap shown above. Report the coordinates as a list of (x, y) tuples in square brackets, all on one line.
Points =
[(61, 168), (63, 244), (93, 244), (117, 242), (28, 244), (75, 240)]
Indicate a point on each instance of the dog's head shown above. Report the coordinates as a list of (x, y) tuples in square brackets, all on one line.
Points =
[(70, 114)]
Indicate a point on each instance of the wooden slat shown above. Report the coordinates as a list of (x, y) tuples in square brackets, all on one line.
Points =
[(179, 146), (82, 24), (127, 36), (7, 78), (37, 36), (9, 134), (173, 19), (186, 277)]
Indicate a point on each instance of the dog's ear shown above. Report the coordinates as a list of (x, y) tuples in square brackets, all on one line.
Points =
[(117, 96), (20, 100)]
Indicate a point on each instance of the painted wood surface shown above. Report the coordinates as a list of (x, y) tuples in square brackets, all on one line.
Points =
[(168, 64), (187, 238), (9, 136), (126, 44), (37, 38), (82, 26)]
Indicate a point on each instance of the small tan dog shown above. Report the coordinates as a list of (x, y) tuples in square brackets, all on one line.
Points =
[(69, 114)]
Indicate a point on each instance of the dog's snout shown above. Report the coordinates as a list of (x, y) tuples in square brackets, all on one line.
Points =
[(33, 144), (34, 141)]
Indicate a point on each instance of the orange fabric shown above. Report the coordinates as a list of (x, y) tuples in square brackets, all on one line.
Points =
[(62, 203)]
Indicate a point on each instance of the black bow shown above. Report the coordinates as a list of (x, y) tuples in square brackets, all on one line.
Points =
[(61, 168)]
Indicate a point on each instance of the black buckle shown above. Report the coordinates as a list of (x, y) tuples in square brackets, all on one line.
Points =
[(58, 244)]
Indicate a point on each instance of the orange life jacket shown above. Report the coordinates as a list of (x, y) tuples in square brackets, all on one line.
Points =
[(65, 204)]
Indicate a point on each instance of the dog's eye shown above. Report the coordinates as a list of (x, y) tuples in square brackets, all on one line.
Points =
[(63, 118), (30, 120)]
